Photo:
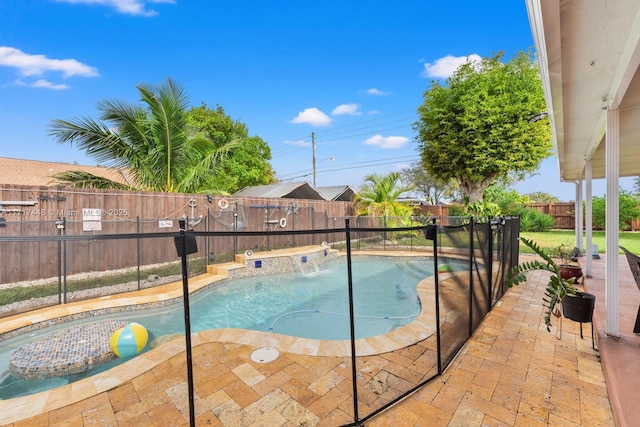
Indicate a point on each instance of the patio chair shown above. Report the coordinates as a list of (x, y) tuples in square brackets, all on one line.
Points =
[(634, 265)]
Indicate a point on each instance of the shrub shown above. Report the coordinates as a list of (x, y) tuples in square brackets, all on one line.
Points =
[(533, 221), (628, 205), (508, 201), (457, 210)]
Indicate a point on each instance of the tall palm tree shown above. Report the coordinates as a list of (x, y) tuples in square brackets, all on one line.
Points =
[(379, 195), (153, 144)]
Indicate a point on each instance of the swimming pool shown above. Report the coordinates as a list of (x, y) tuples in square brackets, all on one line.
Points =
[(312, 305)]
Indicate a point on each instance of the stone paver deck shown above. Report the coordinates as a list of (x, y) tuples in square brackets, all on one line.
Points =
[(512, 372)]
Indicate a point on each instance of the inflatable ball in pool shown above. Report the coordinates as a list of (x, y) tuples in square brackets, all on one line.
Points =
[(129, 340)]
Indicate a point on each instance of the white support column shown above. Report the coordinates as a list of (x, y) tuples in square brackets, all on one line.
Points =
[(578, 216), (612, 221), (588, 219)]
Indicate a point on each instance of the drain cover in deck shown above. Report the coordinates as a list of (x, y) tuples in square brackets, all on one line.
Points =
[(265, 355)]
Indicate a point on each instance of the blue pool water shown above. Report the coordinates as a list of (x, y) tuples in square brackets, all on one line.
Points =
[(311, 305)]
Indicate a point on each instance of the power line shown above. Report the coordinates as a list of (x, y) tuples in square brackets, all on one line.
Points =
[(290, 147), (360, 128), (364, 162), (358, 134), (341, 130), (384, 117), (356, 165)]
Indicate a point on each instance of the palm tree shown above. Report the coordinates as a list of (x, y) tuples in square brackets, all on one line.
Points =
[(379, 195), (153, 144)]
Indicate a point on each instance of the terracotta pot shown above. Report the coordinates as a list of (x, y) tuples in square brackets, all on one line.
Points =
[(569, 271)]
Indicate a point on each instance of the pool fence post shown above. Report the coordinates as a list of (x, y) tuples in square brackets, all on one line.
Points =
[(384, 233), (471, 287), (354, 372), (182, 248), (431, 233), (138, 248), (60, 224), (235, 231), (494, 225), (207, 250), (64, 261)]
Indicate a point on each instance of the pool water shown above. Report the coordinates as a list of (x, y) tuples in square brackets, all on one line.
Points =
[(309, 305), (316, 305)]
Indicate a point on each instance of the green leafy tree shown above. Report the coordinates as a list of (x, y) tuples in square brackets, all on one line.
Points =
[(542, 197), (248, 163), (476, 129), (508, 201), (152, 143), (431, 188), (628, 206), (379, 195)]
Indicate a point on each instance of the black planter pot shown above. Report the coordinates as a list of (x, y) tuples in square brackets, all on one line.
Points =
[(579, 308)]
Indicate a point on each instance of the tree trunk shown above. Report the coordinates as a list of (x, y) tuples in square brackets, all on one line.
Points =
[(474, 190)]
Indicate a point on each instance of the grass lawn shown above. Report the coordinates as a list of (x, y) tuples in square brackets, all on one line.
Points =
[(550, 239)]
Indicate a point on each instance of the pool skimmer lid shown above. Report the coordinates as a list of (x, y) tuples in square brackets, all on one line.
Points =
[(265, 355)]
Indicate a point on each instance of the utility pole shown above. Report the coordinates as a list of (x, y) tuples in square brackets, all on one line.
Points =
[(313, 156)]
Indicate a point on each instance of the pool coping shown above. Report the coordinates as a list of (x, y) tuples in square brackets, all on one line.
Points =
[(24, 407)]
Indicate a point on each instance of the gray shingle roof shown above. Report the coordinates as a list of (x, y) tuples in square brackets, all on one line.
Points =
[(298, 190), (342, 193)]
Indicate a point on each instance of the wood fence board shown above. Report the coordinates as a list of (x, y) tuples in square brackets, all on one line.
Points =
[(129, 212)]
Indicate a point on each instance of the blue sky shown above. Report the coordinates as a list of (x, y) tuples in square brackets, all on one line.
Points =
[(351, 72)]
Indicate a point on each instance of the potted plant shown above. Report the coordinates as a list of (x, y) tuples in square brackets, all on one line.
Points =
[(559, 289), (568, 253)]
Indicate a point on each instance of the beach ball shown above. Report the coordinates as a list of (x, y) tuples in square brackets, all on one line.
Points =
[(129, 340), (444, 268)]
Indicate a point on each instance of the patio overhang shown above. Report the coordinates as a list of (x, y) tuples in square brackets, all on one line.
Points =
[(588, 52)]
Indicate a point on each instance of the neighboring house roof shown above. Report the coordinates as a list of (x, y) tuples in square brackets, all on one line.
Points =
[(288, 190), (342, 193), (35, 172), (412, 201), (299, 190)]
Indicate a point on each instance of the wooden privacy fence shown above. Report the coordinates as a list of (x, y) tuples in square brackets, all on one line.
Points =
[(563, 213), (33, 212)]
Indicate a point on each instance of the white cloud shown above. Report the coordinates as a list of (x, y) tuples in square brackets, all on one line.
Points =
[(41, 83), (36, 65), (387, 142), (445, 67), (299, 143), (312, 116), (376, 92), (127, 7), (351, 109)]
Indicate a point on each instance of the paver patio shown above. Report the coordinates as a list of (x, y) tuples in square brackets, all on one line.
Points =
[(512, 372)]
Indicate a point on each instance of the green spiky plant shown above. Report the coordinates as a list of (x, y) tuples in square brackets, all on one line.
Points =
[(557, 288)]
